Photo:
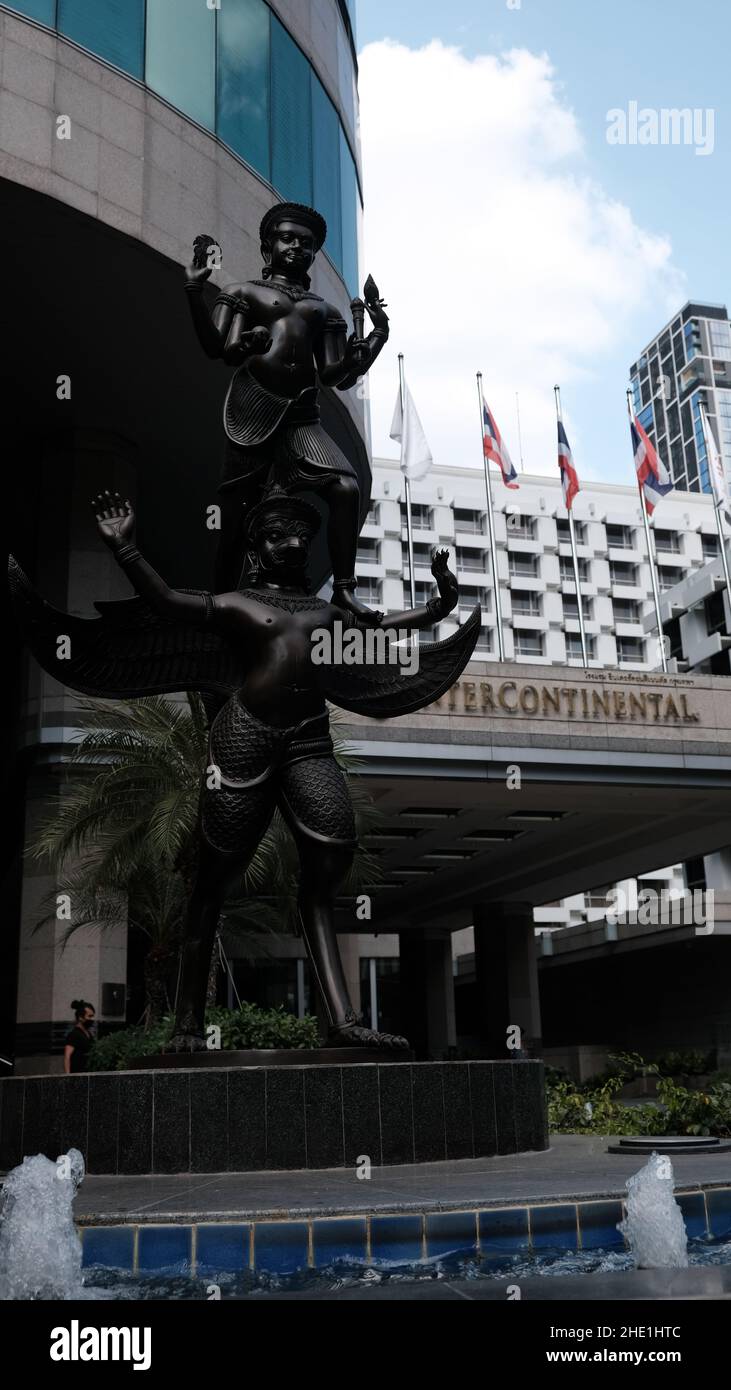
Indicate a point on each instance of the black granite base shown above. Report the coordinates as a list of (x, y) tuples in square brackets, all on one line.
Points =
[(246, 1119)]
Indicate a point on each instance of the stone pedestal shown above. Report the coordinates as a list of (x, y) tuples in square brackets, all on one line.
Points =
[(243, 1119)]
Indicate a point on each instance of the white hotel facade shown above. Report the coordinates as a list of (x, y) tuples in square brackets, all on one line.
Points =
[(537, 591), (537, 595)]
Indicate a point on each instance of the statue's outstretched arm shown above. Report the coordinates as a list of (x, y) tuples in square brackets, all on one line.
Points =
[(437, 607), (343, 360), (116, 521)]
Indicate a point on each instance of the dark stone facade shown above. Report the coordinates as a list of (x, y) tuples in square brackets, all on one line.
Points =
[(246, 1119)]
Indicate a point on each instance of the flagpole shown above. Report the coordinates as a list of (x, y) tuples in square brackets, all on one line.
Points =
[(572, 535), (705, 427), (650, 556), (407, 487), (520, 436), (491, 527)]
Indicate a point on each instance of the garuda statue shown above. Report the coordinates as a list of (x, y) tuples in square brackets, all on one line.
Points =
[(249, 649), (285, 342)]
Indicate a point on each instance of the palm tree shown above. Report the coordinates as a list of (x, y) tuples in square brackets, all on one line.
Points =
[(124, 835)]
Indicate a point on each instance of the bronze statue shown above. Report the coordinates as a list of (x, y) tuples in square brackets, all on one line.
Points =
[(251, 649), (285, 341)]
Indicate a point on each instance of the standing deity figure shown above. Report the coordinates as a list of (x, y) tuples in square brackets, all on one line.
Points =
[(286, 342)]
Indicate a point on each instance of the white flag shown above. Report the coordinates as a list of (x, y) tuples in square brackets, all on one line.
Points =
[(719, 481), (416, 458)]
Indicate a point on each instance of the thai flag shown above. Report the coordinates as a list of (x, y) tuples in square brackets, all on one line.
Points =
[(652, 475), (569, 476), (496, 449)]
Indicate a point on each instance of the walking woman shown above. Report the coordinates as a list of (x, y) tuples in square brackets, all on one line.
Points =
[(79, 1040)]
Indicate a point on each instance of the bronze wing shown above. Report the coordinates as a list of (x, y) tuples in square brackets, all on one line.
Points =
[(383, 690), (127, 651)]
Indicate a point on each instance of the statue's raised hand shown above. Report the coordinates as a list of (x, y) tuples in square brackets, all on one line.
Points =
[(375, 306), (115, 519), (201, 266), (446, 581)]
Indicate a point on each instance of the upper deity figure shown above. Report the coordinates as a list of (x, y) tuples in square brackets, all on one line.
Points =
[(286, 343)]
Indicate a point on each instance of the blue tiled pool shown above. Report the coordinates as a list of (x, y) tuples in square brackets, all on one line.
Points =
[(183, 1259)]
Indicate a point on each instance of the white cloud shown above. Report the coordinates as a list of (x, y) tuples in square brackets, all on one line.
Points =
[(494, 247)]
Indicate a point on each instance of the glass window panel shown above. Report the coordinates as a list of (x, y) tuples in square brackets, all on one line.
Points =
[(115, 29), (326, 167), (291, 118), (350, 199), (42, 10), (346, 79), (243, 81), (181, 56)]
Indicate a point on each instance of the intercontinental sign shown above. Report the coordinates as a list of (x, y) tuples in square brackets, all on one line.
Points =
[(650, 699)]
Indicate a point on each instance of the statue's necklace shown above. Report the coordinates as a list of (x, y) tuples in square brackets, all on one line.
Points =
[(292, 603), (293, 292)]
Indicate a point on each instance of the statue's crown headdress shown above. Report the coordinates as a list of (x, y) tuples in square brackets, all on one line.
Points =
[(282, 506), (294, 212)]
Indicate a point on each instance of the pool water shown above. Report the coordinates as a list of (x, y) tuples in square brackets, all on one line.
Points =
[(117, 1284)]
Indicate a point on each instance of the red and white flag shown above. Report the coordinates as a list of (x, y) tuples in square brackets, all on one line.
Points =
[(496, 450), (569, 476)]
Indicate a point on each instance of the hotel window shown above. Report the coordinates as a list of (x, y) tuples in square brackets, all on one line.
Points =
[(422, 555), (469, 521), (626, 610), (622, 573), (630, 649), (475, 560), (368, 552), (180, 59), (566, 565), (710, 547), (564, 532), (571, 607), (528, 643), (422, 594), (525, 603), (484, 641), (469, 597), (374, 515), (667, 542), (421, 517), (573, 647), (115, 29), (620, 537), (523, 566), (667, 578), (369, 590), (243, 94), (520, 527)]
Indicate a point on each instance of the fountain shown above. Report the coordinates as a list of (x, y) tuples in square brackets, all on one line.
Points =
[(40, 1250), (654, 1225)]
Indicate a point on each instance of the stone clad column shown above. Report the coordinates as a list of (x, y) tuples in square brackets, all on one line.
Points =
[(427, 1015), (506, 970)]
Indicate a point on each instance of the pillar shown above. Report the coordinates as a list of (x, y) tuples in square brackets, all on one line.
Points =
[(427, 993), (506, 970)]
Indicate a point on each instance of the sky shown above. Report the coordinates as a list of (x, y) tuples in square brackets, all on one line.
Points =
[(509, 234)]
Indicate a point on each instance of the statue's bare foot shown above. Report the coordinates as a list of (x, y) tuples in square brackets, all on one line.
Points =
[(186, 1042), (356, 1035), (344, 597)]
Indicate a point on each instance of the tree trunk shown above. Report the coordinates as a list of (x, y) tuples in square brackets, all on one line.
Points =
[(212, 986), (157, 971)]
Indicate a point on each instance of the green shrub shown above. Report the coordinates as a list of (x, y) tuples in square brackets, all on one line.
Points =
[(247, 1027), (574, 1109), (689, 1063)]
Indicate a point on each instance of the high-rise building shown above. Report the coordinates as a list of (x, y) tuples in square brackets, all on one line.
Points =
[(687, 365)]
